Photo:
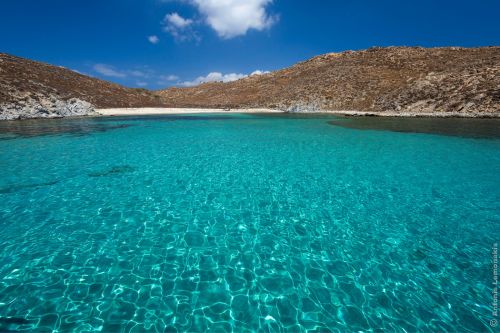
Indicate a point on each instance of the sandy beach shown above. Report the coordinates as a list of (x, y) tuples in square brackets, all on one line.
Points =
[(160, 111)]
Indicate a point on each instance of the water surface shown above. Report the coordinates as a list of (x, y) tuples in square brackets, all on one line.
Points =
[(464, 127), (245, 223)]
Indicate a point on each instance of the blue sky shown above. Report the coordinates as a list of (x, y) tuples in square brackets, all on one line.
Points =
[(159, 43)]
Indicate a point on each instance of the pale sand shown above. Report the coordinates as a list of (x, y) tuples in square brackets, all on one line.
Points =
[(159, 111)]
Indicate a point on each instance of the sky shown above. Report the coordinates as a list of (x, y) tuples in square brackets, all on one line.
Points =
[(155, 44)]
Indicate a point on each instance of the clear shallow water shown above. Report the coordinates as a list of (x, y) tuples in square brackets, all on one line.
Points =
[(245, 223)]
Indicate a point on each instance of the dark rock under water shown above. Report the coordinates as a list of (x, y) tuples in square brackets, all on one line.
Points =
[(112, 171), (463, 127)]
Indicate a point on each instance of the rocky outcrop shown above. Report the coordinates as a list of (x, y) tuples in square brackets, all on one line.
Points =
[(42, 107), (395, 80), (409, 81), (468, 91), (30, 89)]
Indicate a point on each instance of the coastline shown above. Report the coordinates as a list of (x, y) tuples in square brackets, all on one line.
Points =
[(160, 111), (166, 111), (416, 114), (151, 111)]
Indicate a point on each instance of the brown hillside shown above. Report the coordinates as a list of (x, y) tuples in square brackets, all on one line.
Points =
[(25, 80), (396, 79), (399, 79)]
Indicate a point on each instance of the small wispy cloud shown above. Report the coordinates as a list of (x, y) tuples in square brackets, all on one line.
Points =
[(169, 77), (177, 21), (153, 39), (108, 70), (164, 80), (140, 76), (138, 73), (179, 27)]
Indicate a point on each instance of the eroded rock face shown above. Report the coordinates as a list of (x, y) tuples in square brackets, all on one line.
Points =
[(45, 107), (472, 91), (303, 108)]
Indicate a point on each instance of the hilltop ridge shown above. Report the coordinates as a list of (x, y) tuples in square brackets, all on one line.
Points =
[(391, 80), (31, 89)]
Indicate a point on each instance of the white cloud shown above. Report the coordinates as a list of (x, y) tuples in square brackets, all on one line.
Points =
[(153, 39), (138, 73), (213, 77), (179, 27), (259, 72), (177, 21), (108, 70), (169, 77), (219, 77), (231, 18), (141, 76)]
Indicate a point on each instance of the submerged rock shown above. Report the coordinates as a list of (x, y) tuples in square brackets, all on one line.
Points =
[(113, 171)]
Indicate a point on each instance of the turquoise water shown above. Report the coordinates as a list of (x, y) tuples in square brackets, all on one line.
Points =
[(246, 223)]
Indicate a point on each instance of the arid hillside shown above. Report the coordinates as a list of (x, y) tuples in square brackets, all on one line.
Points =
[(396, 79), (402, 80), (30, 89)]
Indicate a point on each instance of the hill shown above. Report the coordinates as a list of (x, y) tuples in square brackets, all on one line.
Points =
[(30, 89), (411, 80), (395, 80)]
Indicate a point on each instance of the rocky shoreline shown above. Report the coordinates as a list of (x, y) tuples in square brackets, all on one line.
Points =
[(414, 114), (78, 108), (408, 112), (347, 113), (377, 82), (46, 108)]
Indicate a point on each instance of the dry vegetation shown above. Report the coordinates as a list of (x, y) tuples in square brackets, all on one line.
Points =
[(22, 81), (396, 79)]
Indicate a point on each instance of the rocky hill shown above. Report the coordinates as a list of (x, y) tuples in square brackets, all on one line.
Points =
[(30, 89), (404, 80), (394, 80)]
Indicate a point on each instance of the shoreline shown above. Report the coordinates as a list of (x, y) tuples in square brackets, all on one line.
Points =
[(167, 111), (415, 114), (152, 111)]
